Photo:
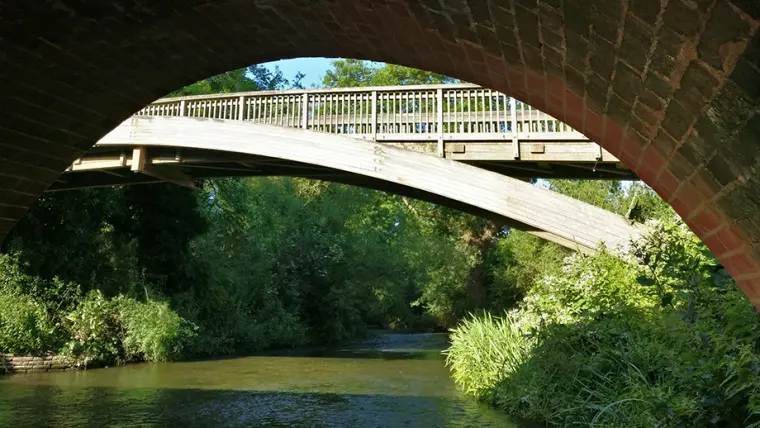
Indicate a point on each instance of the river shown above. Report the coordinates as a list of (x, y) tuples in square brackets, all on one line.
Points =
[(393, 380)]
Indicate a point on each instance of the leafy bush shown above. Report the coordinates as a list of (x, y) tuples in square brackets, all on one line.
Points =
[(152, 330), (25, 326), (95, 330), (586, 287), (662, 337)]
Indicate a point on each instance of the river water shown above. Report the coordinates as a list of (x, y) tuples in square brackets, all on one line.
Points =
[(394, 380)]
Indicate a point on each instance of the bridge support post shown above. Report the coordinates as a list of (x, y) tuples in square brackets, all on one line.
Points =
[(305, 111), (374, 116), (439, 122), (182, 108), (138, 159), (241, 108), (515, 138)]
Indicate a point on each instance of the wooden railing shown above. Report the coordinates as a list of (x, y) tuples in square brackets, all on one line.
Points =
[(432, 113)]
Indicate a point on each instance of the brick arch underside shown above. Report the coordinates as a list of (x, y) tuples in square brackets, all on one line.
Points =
[(672, 90)]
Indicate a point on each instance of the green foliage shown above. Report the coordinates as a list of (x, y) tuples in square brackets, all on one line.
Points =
[(443, 288), (607, 194), (122, 329), (586, 287), (38, 316), (662, 338), (95, 330), (637, 201), (517, 262), (251, 78), (353, 72), (152, 330), (24, 324), (484, 350)]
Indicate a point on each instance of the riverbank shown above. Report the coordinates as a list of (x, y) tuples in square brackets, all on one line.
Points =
[(661, 337), (14, 364)]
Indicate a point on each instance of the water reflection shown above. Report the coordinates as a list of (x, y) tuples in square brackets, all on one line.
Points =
[(395, 380)]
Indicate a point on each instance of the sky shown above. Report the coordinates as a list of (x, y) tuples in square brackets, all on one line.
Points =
[(313, 68)]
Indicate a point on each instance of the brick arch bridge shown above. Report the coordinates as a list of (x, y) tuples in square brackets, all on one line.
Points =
[(670, 87)]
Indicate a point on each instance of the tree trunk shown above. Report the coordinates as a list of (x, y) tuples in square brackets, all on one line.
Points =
[(482, 243)]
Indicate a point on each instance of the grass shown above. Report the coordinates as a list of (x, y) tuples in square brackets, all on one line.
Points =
[(484, 350)]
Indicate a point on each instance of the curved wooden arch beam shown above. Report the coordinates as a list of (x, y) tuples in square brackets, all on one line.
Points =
[(576, 224)]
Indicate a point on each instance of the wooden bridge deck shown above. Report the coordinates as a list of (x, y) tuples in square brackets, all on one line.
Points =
[(183, 149), (461, 122)]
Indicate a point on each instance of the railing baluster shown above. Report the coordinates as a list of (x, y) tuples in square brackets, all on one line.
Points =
[(328, 113), (385, 112), (461, 112), (335, 114), (381, 113), (293, 112), (332, 114), (275, 110), (413, 118), (284, 108), (359, 109), (357, 105), (515, 140), (409, 113), (481, 110), (322, 111), (344, 113), (376, 109), (439, 122), (284, 111), (305, 111), (418, 128), (278, 112), (285, 114)]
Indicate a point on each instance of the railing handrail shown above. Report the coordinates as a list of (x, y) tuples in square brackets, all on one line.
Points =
[(435, 113), (400, 88)]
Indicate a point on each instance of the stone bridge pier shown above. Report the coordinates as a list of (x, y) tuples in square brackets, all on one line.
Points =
[(671, 88)]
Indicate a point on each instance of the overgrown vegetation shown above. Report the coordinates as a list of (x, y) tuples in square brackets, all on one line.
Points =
[(660, 337)]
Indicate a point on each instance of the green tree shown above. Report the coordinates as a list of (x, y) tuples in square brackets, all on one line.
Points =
[(352, 72), (607, 194), (451, 294), (251, 78)]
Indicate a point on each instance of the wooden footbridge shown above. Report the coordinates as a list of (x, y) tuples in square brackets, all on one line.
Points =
[(458, 145)]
